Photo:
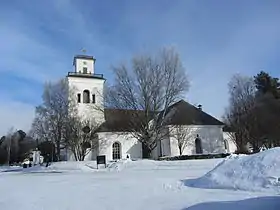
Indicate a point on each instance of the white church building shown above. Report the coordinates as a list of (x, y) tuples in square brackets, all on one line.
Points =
[(205, 132)]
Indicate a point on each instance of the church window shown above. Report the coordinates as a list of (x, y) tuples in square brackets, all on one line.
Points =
[(84, 70), (86, 97), (79, 98), (93, 98), (116, 151)]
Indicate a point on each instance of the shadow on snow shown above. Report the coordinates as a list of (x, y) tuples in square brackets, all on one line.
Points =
[(258, 203)]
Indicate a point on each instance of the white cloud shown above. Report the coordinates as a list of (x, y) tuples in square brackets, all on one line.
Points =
[(15, 114)]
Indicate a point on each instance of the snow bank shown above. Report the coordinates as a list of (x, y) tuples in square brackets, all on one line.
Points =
[(82, 166), (119, 165), (88, 166), (257, 172)]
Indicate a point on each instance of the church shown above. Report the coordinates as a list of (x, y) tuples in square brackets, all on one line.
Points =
[(206, 134)]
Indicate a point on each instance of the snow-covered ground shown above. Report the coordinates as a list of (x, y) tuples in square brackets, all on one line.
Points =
[(9, 168), (143, 184)]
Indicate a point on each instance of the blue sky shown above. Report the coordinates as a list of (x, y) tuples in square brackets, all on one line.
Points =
[(215, 39)]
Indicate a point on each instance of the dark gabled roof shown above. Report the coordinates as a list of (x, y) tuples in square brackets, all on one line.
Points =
[(183, 113), (119, 120), (180, 113), (226, 128)]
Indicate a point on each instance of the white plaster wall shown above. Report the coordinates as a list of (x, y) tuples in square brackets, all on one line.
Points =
[(211, 140), (230, 142), (165, 146), (89, 64), (91, 155), (36, 157), (129, 145), (156, 152), (95, 86), (70, 156)]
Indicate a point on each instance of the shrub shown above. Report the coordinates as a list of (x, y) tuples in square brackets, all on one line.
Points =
[(196, 157)]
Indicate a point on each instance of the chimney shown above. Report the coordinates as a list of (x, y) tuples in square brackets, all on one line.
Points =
[(199, 107)]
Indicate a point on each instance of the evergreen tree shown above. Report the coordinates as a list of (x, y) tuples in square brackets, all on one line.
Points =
[(267, 84)]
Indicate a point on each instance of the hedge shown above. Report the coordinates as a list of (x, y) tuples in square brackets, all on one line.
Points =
[(194, 157)]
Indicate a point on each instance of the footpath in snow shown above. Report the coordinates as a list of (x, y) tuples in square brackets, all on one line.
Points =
[(67, 167)]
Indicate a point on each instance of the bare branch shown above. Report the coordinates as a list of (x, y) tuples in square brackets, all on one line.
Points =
[(240, 115), (81, 137), (184, 135), (149, 87), (52, 115)]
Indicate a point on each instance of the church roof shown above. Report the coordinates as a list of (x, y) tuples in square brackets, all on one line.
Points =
[(119, 120), (180, 113), (183, 113), (226, 128)]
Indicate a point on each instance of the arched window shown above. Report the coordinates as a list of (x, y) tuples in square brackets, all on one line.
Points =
[(198, 147), (86, 96), (116, 151)]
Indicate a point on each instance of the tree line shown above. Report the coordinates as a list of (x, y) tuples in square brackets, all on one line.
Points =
[(254, 111), (15, 146)]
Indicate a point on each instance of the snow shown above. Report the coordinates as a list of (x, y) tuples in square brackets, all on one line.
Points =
[(257, 172), (9, 168), (124, 185)]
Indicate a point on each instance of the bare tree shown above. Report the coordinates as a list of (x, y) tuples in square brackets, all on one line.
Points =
[(52, 115), (40, 129), (240, 116), (184, 136), (81, 137), (58, 121), (149, 86), (7, 144)]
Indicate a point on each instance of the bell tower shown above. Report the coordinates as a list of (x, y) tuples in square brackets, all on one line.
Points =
[(87, 88), (84, 64)]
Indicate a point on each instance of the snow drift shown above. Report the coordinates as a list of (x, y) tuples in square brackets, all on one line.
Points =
[(257, 172)]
